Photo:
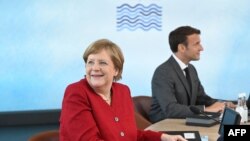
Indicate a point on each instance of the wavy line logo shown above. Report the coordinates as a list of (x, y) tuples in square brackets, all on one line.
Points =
[(139, 17)]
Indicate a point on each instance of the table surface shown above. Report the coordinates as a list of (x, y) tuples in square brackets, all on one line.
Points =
[(180, 125)]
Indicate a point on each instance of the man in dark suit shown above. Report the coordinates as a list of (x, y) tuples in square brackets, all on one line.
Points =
[(174, 89)]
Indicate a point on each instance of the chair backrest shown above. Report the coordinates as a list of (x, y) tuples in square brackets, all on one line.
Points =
[(51, 135), (141, 122), (142, 106)]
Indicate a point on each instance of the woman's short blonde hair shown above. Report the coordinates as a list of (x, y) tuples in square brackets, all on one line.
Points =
[(114, 51)]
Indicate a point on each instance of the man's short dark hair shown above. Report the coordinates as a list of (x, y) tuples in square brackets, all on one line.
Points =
[(179, 36)]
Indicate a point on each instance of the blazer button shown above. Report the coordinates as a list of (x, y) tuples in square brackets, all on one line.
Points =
[(116, 119), (122, 134)]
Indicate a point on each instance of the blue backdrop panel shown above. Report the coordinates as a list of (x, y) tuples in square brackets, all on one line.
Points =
[(42, 42)]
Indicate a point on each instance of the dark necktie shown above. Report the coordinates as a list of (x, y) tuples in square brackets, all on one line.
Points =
[(188, 78)]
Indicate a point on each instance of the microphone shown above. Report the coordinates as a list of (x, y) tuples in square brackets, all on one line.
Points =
[(198, 111)]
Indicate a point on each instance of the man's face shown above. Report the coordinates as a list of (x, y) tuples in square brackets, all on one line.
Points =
[(193, 48)]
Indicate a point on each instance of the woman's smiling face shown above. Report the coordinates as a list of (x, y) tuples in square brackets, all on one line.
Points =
[(100, 70)]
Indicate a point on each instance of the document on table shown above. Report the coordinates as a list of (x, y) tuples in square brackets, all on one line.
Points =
[(204, 138)]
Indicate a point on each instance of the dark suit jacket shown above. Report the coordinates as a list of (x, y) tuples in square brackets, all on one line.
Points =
[(171, 93)]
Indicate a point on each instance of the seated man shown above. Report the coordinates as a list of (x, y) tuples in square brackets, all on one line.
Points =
[(175, 83)]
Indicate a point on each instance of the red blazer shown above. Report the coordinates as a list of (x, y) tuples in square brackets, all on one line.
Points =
[(86, 116)]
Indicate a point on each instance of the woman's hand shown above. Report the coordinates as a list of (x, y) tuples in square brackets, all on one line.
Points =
[(166, 137)]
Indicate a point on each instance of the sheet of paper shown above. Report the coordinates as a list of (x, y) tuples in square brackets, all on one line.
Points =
[(204, 138), (189, 135)]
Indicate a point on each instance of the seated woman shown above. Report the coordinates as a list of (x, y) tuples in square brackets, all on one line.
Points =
[(97, 108)]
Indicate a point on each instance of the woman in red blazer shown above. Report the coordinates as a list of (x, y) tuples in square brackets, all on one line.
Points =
[(97, 108)]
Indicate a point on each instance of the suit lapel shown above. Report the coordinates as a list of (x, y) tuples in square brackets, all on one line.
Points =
[(181, 76)]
